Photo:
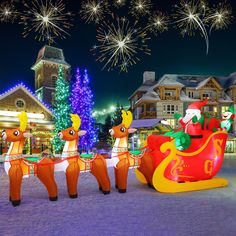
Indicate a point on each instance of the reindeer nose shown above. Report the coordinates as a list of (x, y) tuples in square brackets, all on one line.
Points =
[(111, 132)]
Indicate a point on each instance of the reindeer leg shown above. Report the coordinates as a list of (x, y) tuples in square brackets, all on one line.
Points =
[(15, 176), (72, 176), (122, 169), (45, 173), (99, 171), (146, 168), (116, 178)]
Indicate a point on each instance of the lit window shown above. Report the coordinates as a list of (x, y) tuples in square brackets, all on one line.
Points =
[(224, 109)]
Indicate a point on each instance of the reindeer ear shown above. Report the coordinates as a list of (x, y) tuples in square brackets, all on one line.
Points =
[(82, 132), (131, 130), (28, 135)]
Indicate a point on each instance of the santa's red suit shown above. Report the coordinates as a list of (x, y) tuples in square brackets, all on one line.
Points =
[(195, 130)]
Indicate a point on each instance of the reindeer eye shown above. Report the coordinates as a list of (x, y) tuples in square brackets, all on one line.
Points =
[(122, 129), (71, 132), (16, 133)]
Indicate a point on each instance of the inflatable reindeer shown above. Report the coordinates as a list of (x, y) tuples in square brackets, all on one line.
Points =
[(72, 163), (120, 155), (17, 167)]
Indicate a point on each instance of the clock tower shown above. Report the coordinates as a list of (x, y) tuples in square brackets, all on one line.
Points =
[(46, 72)]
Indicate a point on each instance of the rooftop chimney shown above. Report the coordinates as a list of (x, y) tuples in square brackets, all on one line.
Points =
[(148, 77)]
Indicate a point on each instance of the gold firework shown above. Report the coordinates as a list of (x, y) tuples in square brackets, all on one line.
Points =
[(47, 19), (220, 17), (119, 44), (94, 10), (204, 7), (158, 23), (119, 3), (140, 8), (190, 17), (8, 13)]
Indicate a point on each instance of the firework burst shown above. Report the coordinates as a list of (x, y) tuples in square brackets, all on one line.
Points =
[(8, 13), (94, 10), (158, 23), (119, 44), (220, 17), (140, 8), (190, 17), (47, 19), (119, 3)]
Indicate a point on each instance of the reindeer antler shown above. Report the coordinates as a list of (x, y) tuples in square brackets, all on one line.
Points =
[(23, 120), (76, 121), (127, 118)]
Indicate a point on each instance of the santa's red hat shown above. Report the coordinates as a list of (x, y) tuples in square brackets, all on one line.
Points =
[(198, 105)]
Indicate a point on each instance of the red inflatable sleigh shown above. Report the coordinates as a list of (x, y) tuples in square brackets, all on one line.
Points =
[(188, 170)]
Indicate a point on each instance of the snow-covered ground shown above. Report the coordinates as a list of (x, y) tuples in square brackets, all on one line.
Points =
[(141, 211)]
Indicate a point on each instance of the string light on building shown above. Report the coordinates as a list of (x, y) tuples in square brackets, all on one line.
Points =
[(29, 90)]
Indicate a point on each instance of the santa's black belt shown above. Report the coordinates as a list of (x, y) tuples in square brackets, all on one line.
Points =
[(196, 136)]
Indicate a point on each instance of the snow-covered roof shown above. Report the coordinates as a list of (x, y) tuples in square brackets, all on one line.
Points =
[(30, 93), (225, 99), (169, 79), (145, 123), (142, 88), (51, 54)]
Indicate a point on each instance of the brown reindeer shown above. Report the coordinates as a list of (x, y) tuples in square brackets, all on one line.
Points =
[(73, 164), (120, 155), (16, 166)]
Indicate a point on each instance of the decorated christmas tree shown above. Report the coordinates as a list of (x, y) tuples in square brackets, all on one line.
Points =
[(82, 104), (61, 108)]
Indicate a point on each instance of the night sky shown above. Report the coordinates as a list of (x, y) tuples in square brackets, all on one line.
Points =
[(171, 53)]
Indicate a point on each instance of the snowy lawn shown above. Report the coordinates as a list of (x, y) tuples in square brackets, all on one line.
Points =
[(140, 211)]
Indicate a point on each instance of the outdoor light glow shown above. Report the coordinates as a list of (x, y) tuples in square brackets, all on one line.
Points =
[(15, 114)]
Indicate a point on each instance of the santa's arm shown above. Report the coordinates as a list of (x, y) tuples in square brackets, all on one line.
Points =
[(179, 118)]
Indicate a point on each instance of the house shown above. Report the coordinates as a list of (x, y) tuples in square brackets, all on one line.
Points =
[(162, 98), (40, 118)]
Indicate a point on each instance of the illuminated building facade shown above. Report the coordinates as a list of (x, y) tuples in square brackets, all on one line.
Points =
[(36, 104), (162, 98)]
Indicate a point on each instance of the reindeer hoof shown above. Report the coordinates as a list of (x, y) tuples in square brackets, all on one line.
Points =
[(106, 192), (122, 190), (116, 186), (10, 199), (73, 195), (100, 188), (53, 199), (15, 203)]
